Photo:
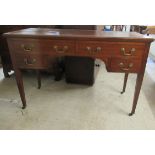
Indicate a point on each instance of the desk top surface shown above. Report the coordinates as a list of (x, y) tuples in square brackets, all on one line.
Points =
[(72, 33)]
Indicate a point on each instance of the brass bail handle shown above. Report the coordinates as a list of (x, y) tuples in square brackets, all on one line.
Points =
[(98, 49), (125, 69), (27, 48), (56, 48), (90, 50), (29, 62), (123, 51)]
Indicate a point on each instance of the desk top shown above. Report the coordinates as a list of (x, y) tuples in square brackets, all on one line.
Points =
[(82, 34)]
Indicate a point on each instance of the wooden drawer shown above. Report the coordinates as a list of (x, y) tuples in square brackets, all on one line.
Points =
[(100, 48), (57, 47), (33, 61), (125, 49), (90, 48), (27, 46), (62, 47), (117, 64)]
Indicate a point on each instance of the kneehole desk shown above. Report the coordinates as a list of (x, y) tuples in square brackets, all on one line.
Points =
[(124, 52)]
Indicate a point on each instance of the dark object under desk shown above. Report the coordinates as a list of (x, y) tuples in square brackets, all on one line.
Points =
[(86, 74)]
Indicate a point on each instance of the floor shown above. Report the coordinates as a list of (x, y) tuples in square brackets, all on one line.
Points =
[(62, 106), (152, 47)]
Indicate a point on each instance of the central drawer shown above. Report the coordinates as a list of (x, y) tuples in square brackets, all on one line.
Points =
[(90, 48), (55, 47)]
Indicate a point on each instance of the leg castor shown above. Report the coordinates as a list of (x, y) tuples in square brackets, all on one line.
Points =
[(24, 107), (38, 78), (122, 92), (130, 114)]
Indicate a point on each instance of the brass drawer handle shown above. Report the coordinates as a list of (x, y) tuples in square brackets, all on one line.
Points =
[(125, 69), (88, 48), (29, 62), (56, 48), (98, 49), (27, 48), (123, 51)]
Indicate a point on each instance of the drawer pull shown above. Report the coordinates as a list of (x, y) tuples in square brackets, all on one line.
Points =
[(123, 51), (88, 49), (27, 48), (30, 62), (98, 49), (56, 48), (125, 69)]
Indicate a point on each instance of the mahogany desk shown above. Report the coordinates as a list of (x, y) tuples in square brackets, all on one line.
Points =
[(34, 48)]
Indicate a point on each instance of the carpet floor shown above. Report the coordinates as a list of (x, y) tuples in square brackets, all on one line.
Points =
[(62, 106)]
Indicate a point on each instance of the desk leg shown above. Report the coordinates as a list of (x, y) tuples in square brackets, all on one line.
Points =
[(19, 81), (125, 81), (137, 91), (5, 70), (38, 78)]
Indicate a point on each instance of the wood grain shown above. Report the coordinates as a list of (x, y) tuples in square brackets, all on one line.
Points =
[(124, 52)]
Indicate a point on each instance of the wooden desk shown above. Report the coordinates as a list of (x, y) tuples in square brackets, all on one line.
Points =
[(4, 51), (124, 52)]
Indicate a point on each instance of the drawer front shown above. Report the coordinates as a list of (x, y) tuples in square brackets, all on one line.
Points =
[(100, 48), (124, 65), (33, 61), (56, 47), (125, 49), (62, 47), (26, 46), (90, 48)]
